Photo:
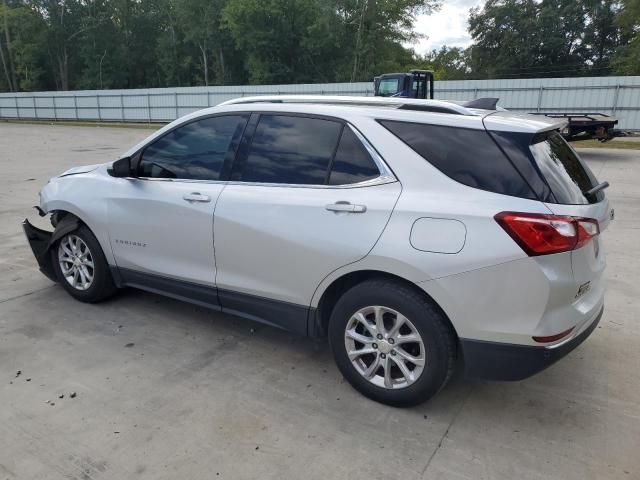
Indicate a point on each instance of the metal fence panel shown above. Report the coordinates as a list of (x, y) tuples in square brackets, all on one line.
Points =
[(618, 96)]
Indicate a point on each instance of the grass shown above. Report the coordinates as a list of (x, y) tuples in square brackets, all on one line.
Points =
[(73, 123), (617, 143)]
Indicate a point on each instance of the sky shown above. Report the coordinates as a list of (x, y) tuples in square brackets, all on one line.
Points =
[(448, 26)]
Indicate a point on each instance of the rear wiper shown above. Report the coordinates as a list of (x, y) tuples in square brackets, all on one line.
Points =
[(596, 189)]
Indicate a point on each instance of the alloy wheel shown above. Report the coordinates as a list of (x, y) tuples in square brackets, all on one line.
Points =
[(384, 347), (76, 262)]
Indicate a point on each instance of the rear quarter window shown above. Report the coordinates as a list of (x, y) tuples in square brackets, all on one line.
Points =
[(567, 175), (468, 156)]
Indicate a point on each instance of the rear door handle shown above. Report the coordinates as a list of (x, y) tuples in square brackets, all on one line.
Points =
[(196, 197), (346, 207)]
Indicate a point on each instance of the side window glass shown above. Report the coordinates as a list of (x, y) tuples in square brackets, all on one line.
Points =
[(291, 150), (352, 163), (194, 151), (467, 156)]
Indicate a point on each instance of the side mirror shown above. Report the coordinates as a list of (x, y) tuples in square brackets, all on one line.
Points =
[(121, 168)]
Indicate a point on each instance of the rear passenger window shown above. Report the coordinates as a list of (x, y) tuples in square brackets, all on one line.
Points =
[(468, 156), (290, 149), (352, 163)]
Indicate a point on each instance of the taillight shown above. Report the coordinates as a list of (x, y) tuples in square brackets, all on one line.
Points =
[(541, 234), (587, 229)]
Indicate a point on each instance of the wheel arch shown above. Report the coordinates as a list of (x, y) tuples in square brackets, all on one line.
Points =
[(63, 209), (338, 286)]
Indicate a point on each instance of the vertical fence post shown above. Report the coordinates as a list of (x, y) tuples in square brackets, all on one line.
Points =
[(17, 107), (75, 106), (98, 104), (540, 91), (175, 101), (35, 108), (149, 107), (122, 107), (55, 110), (615, 99)]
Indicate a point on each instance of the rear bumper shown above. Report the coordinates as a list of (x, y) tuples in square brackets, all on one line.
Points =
[(40, 241), (504, 361)]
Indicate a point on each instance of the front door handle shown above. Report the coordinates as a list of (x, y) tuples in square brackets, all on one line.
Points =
[(196, 197), (346, 207)]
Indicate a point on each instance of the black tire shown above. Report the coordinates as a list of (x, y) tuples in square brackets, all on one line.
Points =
[(437, 335), (102, 286)]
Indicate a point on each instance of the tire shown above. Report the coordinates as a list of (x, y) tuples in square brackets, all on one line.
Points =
[(101, 285), (391, 301)]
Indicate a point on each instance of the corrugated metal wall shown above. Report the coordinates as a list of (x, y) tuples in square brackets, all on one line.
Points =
[(618, 96)]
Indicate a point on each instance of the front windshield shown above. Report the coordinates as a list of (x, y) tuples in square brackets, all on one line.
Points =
[(388, 87)]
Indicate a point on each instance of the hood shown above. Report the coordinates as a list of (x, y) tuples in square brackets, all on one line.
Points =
[(77, 170)]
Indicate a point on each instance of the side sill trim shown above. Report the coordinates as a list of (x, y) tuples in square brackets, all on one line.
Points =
[(276, 313), (202, 295)]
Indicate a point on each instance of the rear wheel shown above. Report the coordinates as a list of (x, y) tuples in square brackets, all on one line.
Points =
[(391, 343), (81, 267)]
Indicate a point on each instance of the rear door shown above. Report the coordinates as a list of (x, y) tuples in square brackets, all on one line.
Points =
[(306, 197)]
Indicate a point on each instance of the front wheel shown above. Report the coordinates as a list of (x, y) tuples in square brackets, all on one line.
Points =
[(391, 343), (81, 267)]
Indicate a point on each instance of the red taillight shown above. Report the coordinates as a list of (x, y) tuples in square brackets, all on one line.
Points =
[(541, 234)]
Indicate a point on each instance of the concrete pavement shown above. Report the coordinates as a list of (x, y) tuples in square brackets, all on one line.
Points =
[(167, 390)]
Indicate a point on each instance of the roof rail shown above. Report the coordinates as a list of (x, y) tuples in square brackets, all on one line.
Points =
[(436, 106)]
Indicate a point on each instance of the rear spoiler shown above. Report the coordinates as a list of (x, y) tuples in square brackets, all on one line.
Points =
[(487, 103)]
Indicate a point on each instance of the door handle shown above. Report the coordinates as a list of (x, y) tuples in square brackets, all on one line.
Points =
[(196, 197), (346, 207)]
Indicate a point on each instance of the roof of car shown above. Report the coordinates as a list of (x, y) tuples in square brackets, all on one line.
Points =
[(441, 112), (436, 112)]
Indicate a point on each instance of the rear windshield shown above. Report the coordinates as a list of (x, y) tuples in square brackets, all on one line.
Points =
[(567, 175), (466, 155)]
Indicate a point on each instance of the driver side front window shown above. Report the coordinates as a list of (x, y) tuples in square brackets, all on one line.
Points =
[(195, 151)]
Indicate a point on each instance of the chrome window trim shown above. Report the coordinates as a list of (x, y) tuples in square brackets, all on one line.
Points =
[(385, 174)]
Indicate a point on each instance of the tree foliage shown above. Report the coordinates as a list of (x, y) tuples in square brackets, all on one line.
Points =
[(516, 38), (73, 44), (102, 44)]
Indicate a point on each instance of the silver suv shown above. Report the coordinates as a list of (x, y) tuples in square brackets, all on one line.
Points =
[(411, 233)]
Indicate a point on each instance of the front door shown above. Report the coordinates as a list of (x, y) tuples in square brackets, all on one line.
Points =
[(161, 223)]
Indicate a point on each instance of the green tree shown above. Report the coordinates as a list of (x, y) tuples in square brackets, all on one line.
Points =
[(447, 63), (520, 38), (627, 57)]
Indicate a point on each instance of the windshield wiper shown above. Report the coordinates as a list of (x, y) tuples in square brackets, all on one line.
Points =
[(596, 189)]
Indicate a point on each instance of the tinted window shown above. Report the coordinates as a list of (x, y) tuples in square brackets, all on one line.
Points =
[(566, 174), (352, 163), (468, 156), (194, 151), (295, 150)]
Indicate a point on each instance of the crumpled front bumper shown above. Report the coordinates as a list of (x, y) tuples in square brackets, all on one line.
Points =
[(40, 242)]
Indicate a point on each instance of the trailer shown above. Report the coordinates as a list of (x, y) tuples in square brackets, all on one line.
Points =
[(585, 126)]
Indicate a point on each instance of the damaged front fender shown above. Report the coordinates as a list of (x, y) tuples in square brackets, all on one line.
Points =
[(41, 241)]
